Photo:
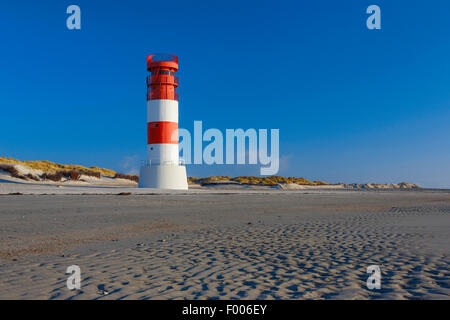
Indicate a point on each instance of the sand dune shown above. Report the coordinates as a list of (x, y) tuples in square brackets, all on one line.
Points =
[(108, 185)]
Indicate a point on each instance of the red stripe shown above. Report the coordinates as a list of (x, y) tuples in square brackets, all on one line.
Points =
[(167, 92), (162, 132)]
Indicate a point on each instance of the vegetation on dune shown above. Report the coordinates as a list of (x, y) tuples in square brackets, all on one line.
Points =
[(131, 177), (12, 171), (52, 176), (56, 172), (70, 175), (266, 181), (16, 174), (50, 167)]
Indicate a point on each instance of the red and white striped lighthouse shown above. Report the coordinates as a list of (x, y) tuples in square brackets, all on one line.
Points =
[(163, 169)]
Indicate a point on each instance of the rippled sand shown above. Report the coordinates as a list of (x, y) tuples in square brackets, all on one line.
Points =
[(278, 245)]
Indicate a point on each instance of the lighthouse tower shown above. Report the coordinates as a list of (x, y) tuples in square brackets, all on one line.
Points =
[(163, 170)]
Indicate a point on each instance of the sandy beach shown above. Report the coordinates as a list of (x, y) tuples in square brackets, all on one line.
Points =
[(267, 245)]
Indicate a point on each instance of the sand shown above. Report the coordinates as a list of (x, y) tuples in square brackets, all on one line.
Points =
[(224, 244)]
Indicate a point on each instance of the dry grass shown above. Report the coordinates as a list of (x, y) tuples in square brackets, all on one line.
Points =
[(134, 178), (72, 175), (32, 177), (12, 171), (16, 174), (92, 174), (55, 172), (266, 181), (52, 176), (50, 167)]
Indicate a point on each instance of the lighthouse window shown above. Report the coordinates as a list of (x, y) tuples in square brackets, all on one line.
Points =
[(165, 72)]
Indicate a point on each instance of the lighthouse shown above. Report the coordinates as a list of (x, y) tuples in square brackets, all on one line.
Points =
[(163, 169)]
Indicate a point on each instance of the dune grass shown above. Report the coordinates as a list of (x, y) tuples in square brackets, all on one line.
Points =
[(131, 177), (266, 181), (55, 172), (52, 168)]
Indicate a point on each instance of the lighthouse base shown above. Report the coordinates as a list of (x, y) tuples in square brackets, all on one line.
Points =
[(163, 177)]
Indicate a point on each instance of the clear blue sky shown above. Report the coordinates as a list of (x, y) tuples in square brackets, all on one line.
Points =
[(352, 104)]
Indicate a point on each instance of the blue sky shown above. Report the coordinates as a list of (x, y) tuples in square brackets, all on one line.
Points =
[(352, 104)]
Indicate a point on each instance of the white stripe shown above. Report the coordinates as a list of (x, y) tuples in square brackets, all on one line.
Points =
[(162, 110), (163, 153)]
